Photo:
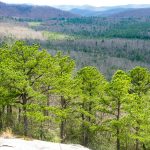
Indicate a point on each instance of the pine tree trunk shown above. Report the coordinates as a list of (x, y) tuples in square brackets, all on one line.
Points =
[(84, 131), (9, 116), (88, 135), (84, 134), (118, 140), (48, 104), (137, 141), (144, 147), (63, 121), (62, 131), (137, 145), (19, 115), (1, 120), (118, 130), (25, 118)]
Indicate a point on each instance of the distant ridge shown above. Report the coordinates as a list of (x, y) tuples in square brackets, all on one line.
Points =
[(107, 11), (32, 11), (141, 12)]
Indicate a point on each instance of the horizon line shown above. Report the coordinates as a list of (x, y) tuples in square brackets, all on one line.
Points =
[(32, 4)]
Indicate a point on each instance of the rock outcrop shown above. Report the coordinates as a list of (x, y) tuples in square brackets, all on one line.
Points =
[(20, 144)]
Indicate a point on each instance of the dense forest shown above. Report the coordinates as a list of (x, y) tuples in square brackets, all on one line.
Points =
[(45, 96), (92, 41), (98, 27)]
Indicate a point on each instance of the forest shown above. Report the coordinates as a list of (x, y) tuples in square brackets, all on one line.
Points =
[(105, 43), (46, 96)]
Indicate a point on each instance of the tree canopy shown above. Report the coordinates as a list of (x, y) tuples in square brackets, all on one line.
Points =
[(44, 96)]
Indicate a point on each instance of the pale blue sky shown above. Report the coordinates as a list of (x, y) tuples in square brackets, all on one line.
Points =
[(78, 2)]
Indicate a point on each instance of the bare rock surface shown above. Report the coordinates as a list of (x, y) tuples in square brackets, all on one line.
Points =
[(20, 144)]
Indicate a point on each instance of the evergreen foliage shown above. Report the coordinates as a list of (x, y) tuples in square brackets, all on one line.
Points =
[(44, 97)]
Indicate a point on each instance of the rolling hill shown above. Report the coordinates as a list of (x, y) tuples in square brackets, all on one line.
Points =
[(141, 12), (87, 10), (32, 11), (101, 13)]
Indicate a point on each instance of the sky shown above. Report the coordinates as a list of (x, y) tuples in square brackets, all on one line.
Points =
[(97, 3)]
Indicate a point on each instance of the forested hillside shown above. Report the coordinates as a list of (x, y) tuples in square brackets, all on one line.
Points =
[(32, 12), (141, 12), (43, 96), (107, 43), (108, 11)]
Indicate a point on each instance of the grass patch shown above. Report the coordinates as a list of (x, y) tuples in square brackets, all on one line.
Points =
[(7, 133), (57, 36), (34, 24)]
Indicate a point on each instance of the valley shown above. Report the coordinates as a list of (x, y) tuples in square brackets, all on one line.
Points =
[(109, 43)]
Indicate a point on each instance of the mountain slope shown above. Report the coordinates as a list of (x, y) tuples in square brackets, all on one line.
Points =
[(102, 13), (141, 12), (32, 12), (87, 10)]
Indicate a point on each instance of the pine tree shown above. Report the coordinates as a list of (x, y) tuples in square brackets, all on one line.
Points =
[(139, 106), (25, 67), (118, 91), (92, 84)]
